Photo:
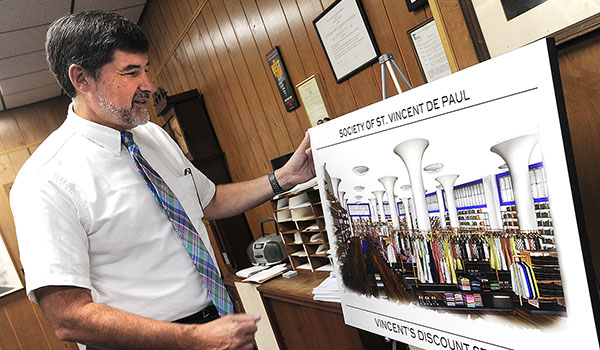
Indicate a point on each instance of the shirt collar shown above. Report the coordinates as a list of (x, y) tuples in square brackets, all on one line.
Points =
[(102, 135)]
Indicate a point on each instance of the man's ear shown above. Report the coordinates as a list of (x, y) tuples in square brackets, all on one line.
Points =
[(80, 78)]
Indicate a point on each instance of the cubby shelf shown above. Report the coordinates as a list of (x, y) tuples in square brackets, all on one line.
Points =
[(302, 228)]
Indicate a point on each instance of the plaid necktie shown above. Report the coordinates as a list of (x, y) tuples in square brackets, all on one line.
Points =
[(183, 226)]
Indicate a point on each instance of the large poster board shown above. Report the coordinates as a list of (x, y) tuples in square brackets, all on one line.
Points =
[(503, 263)]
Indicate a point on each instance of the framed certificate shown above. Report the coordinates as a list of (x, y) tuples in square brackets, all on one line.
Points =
[(429, 50), (315, 103), (346, 36)]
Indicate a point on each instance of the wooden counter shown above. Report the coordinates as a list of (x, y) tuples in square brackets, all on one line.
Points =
[(301, 323)]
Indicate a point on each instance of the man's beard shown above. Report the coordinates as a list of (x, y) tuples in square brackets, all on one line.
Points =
[(132, 116)]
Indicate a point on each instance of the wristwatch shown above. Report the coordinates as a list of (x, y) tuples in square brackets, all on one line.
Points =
[(274, 184)]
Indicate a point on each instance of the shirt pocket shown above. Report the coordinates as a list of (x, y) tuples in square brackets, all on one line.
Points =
[(189, 198)]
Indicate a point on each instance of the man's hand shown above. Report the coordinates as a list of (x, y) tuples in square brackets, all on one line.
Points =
[(229, 332), (300, 168), (76, 317), (236, 198)]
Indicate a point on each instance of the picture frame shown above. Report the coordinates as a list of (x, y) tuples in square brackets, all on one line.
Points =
[(282, 79), (414, 5), (347, 38), (429, 50), (9, 278), (496, 27), (316, 104)]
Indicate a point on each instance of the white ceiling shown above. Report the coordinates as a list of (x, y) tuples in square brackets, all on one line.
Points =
[(24, 74)]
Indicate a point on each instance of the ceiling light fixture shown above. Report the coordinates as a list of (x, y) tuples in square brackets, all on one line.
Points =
[(360, 170), (433, 168)]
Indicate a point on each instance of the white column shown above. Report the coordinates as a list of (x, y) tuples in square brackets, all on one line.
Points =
[(335, 182), (414, 219), (388, 183), (408, 216), (342, 199), (516, 153), (492, 201), (442, 212), (379, 196), (411, 153), (447, 181), (374, 216)]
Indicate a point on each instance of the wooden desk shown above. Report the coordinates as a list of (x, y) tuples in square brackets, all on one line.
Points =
[(301, 323)]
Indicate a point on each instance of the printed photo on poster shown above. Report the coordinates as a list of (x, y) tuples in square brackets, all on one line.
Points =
[(472, 238)]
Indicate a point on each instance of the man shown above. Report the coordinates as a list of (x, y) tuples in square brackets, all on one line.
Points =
[(100, 245)]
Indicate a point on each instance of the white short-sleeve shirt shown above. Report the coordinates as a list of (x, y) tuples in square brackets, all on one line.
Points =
[(86, 218)]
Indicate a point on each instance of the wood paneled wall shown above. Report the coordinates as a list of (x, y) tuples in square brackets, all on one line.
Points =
[(22, 324), (578, 61), (219, 48)]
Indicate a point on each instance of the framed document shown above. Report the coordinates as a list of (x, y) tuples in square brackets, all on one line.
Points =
[(505, 25), (346, 36), (429, 50), (315, 103)]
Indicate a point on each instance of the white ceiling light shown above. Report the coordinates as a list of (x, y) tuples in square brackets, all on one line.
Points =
[(433, 168), (360, 170)]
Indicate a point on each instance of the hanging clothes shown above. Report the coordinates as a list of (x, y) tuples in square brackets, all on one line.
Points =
[(391, 254), (523, 280), (434, 264)]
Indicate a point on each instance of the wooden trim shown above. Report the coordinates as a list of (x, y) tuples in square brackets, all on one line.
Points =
[(578, 29), (303, 301), (474, 29), (180, 39), (35, 144), (273, 321), (12, 328), (441, 27)]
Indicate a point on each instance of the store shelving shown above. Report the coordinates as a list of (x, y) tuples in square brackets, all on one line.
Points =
[(549, 282), (473, 219), (302, 228)]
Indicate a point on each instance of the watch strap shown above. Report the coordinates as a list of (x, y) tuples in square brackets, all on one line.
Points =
[(277, 189)]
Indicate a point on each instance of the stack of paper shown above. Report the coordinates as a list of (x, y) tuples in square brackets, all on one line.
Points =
[(245, 273), (267, 274), (327, 290)]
